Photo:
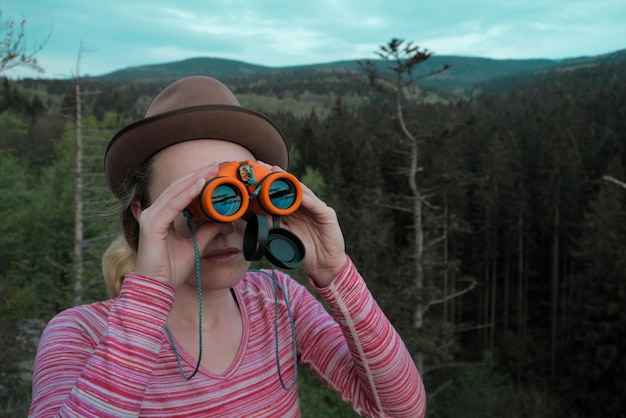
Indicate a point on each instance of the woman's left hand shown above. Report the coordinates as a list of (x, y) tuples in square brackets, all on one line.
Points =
[(316, 224)]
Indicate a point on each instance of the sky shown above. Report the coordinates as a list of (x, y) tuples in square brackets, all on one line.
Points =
[(113, 34)]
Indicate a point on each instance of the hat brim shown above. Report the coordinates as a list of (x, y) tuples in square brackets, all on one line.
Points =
[(139, 141)]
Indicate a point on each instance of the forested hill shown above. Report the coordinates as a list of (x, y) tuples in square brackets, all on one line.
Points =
[(464, 73), (302, 89)]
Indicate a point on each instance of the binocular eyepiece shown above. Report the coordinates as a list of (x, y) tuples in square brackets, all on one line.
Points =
[(245, 186), (245, 189)]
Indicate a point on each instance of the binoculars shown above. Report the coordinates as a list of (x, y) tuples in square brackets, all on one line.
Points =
[(246, 190), (243, 187)]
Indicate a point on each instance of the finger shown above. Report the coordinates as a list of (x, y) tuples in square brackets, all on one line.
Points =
[(178, 195), (269, 166)]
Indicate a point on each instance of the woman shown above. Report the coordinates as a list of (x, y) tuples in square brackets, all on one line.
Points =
[(191, 332)]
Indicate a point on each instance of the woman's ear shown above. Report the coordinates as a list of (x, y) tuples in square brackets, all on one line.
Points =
[(137, 209)]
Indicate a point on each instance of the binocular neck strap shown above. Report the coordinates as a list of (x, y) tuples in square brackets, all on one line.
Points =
[(189, 218)]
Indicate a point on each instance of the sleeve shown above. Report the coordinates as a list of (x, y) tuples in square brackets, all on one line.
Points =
[(92, 364), (359, 353)]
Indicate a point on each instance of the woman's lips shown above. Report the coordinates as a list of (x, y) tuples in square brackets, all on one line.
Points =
[(222, 255)]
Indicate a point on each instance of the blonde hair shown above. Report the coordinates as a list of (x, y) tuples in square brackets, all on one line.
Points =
[(118, 260)]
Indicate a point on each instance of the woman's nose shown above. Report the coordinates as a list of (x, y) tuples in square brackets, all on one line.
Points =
[(226, 228)]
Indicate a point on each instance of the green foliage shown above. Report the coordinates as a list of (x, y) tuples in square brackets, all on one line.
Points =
[(480, 390), (317, 400), (11, 125), (36, 261), (598, 321), (298, 105), (315, 181), (17, 403), (21, 298), (36, 250)]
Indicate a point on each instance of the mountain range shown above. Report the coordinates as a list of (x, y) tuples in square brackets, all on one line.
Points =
[(464, 72)]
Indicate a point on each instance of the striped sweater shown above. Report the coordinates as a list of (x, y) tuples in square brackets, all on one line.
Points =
[(113, 358)]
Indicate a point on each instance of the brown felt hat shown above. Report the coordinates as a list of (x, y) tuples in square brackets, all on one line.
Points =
[(192, 108)]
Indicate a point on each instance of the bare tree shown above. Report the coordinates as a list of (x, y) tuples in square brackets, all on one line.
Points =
[(79, 287), (13, 49), (402, 59), (92, 198)]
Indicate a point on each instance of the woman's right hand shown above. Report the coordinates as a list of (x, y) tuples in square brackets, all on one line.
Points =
[(165, 251)]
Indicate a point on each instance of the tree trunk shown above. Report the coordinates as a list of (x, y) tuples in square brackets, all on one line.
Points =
[(418, 226), (484, 317), (520, 290), (79, 287), (494, 291), (507, 291), (418, 319), (554, 279), (446, 274)]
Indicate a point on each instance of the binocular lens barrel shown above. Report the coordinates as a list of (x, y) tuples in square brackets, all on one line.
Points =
[(221, 200), (282, 194), (226, 199)]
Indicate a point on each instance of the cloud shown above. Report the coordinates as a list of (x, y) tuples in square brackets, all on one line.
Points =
[(122, 33), (246, 36)]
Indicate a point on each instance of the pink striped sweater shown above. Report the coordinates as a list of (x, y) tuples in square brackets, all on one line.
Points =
[(113, 358)]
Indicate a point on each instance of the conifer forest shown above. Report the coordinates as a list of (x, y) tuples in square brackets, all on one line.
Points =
[(488, 219)]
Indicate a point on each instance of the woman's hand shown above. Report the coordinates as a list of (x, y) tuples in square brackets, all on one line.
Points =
[(316, 224), (165, 251)]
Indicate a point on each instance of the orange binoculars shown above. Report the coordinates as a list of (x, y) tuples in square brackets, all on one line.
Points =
[(242, 187)]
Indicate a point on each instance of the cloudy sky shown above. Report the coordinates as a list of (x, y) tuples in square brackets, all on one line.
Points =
[(122, 33)]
